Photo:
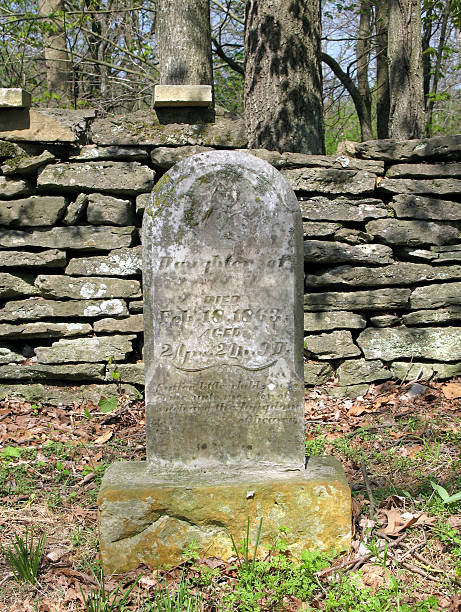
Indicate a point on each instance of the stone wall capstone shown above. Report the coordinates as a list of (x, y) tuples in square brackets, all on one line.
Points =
[(382, 251)]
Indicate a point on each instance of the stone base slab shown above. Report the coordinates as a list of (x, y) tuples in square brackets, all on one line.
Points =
[(150, 517)]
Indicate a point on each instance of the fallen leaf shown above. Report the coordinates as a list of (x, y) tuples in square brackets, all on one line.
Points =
[(452, 390), (394, 519), (147, 583), (455, 604), (213, 562), (455, 522), (397, 435), (411, 451), (367, 524), (399, 521), (26, 606), (335, 435), (104, 438), (424, 519), (372, 576), (357, 410), (57, 553), (393, 501), (49, 606), (72, 595)]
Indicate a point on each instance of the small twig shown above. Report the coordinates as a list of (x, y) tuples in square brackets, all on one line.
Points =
[(357, 560), (360, 562), (413, 549), (7, 577), (406, 372), (429, 564), (411, 567), (418, 376), (414, 568), (344, 565), (417, 570), (360, 430), (318, 420), (363, 469)]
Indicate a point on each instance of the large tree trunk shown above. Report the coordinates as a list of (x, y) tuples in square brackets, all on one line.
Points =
[(56, 59), (405, 70), (283, 77), (382, 70), (183, 38), (362, 51)]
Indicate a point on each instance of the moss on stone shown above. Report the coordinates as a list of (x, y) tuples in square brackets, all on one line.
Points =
[(14, 162), (9, 149)]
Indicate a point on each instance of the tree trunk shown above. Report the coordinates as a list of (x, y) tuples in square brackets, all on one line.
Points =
[(183, 38), (405, 70), (362, 53), (283, 77), (382, 70), (56, 59)]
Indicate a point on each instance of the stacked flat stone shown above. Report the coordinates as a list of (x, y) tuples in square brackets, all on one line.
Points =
[(382, 249)]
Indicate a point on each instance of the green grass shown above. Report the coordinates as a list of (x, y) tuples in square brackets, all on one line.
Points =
[(182, 600), (344, 596), (101, 600), (25, 556), (264, 584)]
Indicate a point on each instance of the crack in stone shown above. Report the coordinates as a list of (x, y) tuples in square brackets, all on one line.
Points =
[(179, 518)]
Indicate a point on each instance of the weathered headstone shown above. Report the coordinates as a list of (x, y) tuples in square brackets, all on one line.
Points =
[(223, 315)]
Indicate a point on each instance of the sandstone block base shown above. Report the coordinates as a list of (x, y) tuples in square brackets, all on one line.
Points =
[(150, 517)]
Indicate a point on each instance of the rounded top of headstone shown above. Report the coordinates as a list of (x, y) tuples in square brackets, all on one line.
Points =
[(228, 161), (222, 192)]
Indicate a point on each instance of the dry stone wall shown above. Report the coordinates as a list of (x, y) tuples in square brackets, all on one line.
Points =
[(382, 249)]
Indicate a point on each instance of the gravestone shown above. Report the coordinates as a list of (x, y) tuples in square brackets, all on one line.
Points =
[(223, 316)]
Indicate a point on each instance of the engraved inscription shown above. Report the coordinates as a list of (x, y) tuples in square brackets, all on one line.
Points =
[(220, 330), (185, 355), (218, 262)]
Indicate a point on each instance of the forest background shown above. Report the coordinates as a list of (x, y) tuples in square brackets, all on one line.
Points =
[(105, 57)]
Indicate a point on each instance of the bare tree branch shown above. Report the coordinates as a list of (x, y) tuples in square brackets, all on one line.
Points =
[(227, 11), (220, 53)]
